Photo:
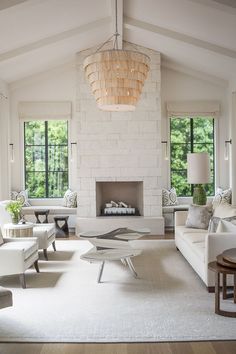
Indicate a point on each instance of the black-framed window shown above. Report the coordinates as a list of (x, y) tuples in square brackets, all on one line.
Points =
[(187, 135), (46, 158)]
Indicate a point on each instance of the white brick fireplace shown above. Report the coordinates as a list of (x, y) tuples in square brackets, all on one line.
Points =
[(120, 147)]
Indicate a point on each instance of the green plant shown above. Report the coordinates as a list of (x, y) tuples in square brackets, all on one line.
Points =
[(14, 208)]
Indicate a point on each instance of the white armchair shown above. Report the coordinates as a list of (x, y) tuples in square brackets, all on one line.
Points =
[(17, 255), (45, 233)]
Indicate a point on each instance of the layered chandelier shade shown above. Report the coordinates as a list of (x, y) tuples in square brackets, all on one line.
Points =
[(116, 76)]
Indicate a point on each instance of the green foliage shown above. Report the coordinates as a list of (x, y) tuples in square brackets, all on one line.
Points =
[(14, 208), (46, 158), (190, 135)]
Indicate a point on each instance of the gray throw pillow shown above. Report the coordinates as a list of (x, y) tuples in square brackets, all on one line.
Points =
[(213, 224), (199, 216)]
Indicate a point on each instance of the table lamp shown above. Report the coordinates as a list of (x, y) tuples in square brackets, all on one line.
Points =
[(198, 168)]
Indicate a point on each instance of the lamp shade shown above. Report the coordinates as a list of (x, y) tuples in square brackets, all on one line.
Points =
[(198, 168)]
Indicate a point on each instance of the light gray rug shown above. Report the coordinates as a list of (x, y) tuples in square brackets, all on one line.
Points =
[(65, 304)]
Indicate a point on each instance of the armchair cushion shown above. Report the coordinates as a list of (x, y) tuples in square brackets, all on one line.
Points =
[(45, 234), (27, 247)]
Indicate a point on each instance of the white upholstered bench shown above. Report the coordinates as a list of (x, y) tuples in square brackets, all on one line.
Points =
[(55, 209)]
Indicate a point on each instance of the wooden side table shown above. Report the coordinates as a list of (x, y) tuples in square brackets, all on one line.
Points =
[(18, 230), (220, 269), (61, 230), (43, 213)]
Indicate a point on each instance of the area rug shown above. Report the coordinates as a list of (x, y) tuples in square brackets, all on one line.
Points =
[(64, 303)]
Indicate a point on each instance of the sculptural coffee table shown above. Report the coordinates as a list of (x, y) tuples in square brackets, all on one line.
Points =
[(112, 246)]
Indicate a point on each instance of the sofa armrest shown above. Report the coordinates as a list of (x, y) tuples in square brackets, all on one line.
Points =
[(216, 243), (180, 218)]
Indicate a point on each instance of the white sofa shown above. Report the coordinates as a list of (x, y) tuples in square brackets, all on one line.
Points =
[(200, 247)]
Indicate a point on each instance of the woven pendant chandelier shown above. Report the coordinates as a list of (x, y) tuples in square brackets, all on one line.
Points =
[(116, 76)]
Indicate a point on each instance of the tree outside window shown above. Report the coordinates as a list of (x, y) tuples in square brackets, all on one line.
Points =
[(46, 158), (190, 135)]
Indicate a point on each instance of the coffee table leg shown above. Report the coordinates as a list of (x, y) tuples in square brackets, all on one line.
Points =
[(224, 287), (217, 292), (123, 260), (100, 272), (131, 267)]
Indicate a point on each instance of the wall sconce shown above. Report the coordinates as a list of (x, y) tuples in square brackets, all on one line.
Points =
[(226, 152), (11, 152), (71, 151), (165, 143)]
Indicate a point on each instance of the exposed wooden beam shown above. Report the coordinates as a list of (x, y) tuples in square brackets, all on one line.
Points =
[(131, 23), (5, 4), (53, 39), (119, 20)]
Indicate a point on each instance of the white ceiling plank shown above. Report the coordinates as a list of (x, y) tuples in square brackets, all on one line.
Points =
[(119, 20), (53, 39), (5, 4), (131, 23)]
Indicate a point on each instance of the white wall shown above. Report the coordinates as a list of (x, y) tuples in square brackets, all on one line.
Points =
[(54, 85), (178, 86), (120, 146), (4, 142), (60, 84)]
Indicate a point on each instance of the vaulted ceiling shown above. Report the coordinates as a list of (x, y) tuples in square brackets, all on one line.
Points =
[(36, 35)]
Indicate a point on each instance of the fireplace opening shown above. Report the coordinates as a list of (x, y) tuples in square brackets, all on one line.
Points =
[(119, 198)]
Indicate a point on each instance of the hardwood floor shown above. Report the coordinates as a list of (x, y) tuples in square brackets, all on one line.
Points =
[(211, 347), (219, 347)]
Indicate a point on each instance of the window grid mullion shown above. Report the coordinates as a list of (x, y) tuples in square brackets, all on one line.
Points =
[(46, 159)]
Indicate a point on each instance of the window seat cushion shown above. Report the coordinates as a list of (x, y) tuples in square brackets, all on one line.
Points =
[(54, 209)]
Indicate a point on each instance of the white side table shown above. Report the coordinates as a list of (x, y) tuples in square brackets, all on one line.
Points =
[(18, 230)]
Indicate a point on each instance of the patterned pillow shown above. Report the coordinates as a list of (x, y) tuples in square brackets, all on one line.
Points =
[(70, 199), (222, 197), (169, 197), (21, 197), (199, 216)]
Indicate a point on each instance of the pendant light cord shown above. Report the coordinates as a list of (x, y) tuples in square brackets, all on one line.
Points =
[(116, 34)]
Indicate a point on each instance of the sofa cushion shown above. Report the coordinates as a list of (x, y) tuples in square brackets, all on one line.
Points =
[(194, 237), (28, 247), (53, 210), (198, 216), (181, 230), (1, 238)]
